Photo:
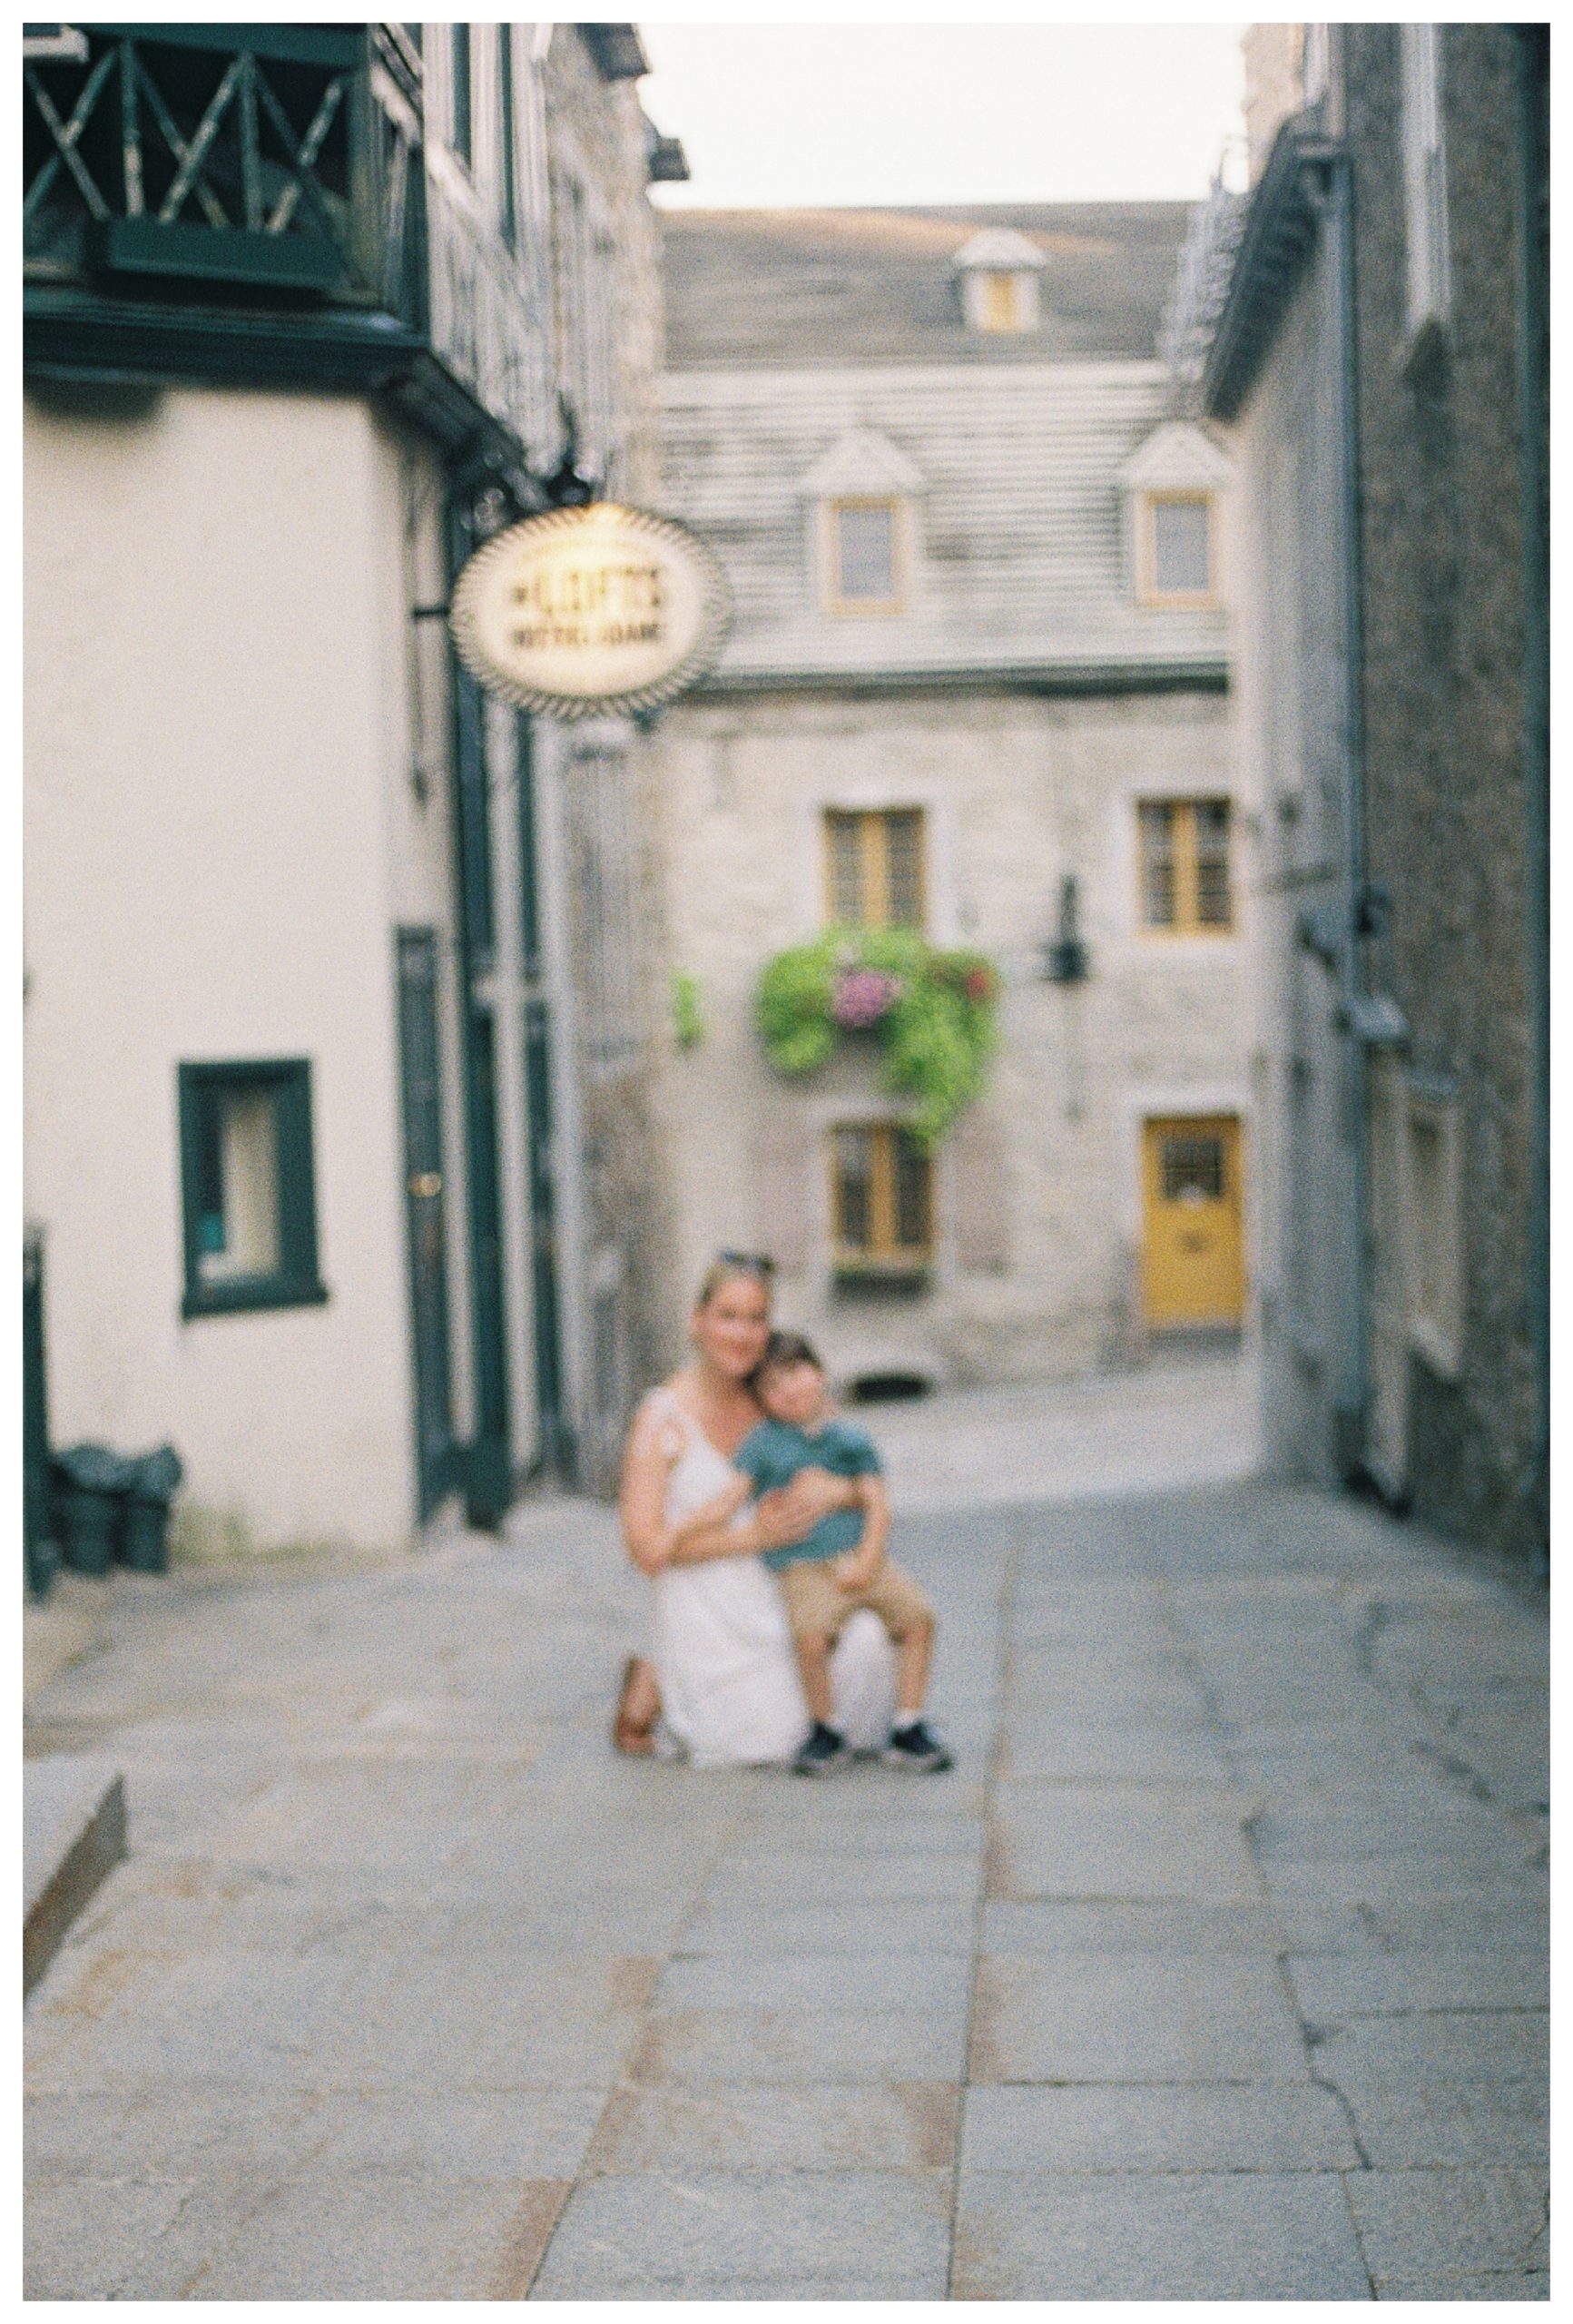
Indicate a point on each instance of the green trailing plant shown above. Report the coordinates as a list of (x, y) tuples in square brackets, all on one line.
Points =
[(932, 1012), (687, 1018)]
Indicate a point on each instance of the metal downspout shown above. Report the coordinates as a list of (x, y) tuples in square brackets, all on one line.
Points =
[(487, 1457), (555, 1457), (1353, 1391)]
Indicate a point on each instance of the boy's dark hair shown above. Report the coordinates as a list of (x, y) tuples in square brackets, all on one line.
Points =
[(783, 1348)]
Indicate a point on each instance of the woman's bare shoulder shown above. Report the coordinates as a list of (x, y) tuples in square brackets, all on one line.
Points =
[(679, 1390), (655, 1416)]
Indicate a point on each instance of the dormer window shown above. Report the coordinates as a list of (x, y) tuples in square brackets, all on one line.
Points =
[(998, 272), (1173, 488), (1174, 554), (862, 538), (863, 561)]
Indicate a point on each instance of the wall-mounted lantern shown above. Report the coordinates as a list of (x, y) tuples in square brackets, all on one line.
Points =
[(1065, 955)]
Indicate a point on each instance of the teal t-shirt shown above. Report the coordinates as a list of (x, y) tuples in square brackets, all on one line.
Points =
[(772, 1453)]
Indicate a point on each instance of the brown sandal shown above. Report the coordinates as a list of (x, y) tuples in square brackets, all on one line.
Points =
[(629, 1734)]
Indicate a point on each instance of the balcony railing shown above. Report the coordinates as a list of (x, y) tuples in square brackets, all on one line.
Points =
[(279, 173), (251, 156)]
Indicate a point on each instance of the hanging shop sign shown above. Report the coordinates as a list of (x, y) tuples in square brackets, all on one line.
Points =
[(586, 610)]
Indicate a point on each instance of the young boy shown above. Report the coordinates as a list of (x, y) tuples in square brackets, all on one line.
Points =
[(841, 1565)]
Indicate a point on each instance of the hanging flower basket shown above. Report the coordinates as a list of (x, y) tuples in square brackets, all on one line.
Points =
[(933, 1013)]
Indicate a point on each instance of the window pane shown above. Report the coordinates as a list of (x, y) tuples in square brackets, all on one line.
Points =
[(1213, 906), (1192, 1169), (843, 839), (904, 866), (854, 1190), (1180, 546), (1157, 839), (911, 1193), (462, 131), (999, 303), (1429, 1197), (508, 159), (866, 550), (238, 1196)]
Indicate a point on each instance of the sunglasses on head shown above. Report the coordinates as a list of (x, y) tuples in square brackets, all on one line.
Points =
[(756, 1262)]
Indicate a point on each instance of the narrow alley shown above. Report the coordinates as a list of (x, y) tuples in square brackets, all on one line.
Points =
[(1216, 1970)]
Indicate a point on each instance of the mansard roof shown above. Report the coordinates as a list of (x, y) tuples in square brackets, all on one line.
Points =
[(794, 287)]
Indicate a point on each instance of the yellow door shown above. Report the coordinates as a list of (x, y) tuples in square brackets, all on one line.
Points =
[(1192, 1260)]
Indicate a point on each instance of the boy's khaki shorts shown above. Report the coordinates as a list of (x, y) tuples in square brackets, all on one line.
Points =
[(818, 1607)]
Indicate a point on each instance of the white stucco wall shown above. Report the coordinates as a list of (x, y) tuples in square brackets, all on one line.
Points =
[(216, 725), (1037, 1189)]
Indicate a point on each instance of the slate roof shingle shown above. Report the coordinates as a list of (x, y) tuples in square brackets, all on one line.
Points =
[(790, 287)]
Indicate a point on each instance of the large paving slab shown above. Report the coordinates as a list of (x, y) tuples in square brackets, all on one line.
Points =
[(1135, 2017), (1201, 2235), (1215, 1970)]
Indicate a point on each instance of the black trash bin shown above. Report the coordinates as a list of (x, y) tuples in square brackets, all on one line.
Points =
[(91, 1483), (145, 1545)]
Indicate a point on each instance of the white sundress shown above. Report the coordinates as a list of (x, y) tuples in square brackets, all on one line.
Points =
[(722, 1650)]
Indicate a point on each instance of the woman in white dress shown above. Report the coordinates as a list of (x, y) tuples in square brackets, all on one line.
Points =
[(721, 1672)]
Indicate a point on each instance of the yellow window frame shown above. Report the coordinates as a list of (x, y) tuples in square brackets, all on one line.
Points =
[(831, 599), (884, 1252), (1147, 590), (870, 835), (1187, 857), (999, 300)]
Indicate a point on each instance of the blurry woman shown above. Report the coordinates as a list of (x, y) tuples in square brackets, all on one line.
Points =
[(721, 1671)]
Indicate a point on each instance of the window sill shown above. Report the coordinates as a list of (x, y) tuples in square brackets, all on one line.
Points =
[(248, 1294), (875, 1279), (1179, 601), (1201, 931)]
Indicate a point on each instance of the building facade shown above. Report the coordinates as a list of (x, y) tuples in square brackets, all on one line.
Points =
[(329, 1118), (1379, 358), (975, 689)]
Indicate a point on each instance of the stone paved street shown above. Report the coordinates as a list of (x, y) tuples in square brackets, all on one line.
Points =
[(1217, 1969)]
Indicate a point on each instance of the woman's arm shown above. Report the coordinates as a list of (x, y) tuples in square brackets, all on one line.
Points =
[(778, 1521), (719, 1510), (812, 1494), (654, 1444), (654, 1447)]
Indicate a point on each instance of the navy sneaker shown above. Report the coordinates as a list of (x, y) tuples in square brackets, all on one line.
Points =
[(823, 1750), (916, 1746)]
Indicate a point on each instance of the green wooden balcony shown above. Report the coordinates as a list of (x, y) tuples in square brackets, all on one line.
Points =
[(221, 161)]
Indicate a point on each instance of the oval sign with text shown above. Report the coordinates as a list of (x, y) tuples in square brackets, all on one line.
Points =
[(591, 609)]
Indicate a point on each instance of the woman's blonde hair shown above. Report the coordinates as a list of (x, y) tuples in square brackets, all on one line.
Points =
[(747, 1267)]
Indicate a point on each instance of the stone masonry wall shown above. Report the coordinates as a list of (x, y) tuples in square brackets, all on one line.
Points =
[(1446, 803)]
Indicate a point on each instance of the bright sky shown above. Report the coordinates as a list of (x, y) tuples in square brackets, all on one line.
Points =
[(809, 114)]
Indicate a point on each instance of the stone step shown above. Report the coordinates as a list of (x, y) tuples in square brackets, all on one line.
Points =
[(73, 1834)]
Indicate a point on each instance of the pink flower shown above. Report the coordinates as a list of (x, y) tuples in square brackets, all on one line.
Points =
[(862, 997)]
